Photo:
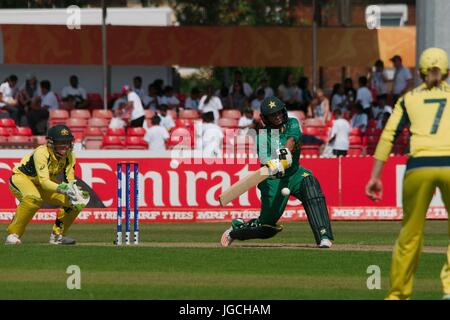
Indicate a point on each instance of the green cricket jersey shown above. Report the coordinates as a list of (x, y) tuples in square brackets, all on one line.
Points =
[(269, 140)]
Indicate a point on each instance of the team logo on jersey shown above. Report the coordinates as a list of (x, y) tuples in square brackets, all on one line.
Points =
[(64, 132)]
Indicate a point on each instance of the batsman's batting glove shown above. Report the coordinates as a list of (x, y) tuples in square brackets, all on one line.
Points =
[(285, 157), (276, 168)]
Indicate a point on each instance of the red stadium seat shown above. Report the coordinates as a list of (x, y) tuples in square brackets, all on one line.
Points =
[(355, 131), (137, 132), (80, 113), (310, 150), (112, 142), (93, 137), (4, 132), (314, 131), (78, 135), (189, 114), (116, 132), (39, 140), (372, 123), (355, 140), (57, 116), (172, 113), (136, 143), (231, 114), (77, 124), (354, 151), (228, 123), (373, 132), (7, 123), (300, 115), (313, 122), (24, 131), (102, 113), (3, 139), (184, 123), (98, 122), (21, 141), (181, 138), (95, 100), (93, 132)]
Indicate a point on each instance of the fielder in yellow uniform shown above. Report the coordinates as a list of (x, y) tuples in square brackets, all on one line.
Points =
[(34, 181), (426, 109)]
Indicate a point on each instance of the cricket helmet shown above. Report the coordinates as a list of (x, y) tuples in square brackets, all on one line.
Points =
[(59, 135), (273, 112), (433, 58)]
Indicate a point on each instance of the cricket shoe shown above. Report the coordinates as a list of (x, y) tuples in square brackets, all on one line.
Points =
[(60, 239), (325, 243), (226, 240), (12, 239)]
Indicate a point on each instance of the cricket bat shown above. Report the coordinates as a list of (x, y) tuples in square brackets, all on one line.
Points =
[(244, 185)]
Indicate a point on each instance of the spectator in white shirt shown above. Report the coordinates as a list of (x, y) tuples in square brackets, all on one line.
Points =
[(256, 103), (8, 97), (209, 136), (156, 135), (117, 121), (379, 80), (339, 135), (193, 100), (166, 119), (137, 87), (74, 95), (338, 98), (363, 95), (247, 88), (48, 97), (246, 122), (209, 102), (264, 85), (135, 105), (379, 112), (359, 119), (402, 79)]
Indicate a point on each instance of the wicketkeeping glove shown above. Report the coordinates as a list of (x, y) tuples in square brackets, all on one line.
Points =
[(66, 189), (81, 198)]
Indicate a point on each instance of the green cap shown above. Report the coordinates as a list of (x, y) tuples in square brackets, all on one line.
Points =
[(272, 105), (60, 132)]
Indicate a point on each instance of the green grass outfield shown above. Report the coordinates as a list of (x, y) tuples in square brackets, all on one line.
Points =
[(184, 261)]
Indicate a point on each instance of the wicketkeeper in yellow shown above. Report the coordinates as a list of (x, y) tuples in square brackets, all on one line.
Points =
[(34, 181), (426, 110)]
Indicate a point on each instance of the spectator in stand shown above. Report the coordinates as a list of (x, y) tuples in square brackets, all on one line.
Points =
[(8, 97), (117, 120), (303, 84), (290, 93), (193, 100), (137, 87), (209, 136), (166, 119), (170, 99), (237, 99), (320, 107), (246, 121), (379, 78), (338, 98), (379, 111), (264, 85), (363, 95), (152, 100), (209, 102), (339, 135), (402, 81), (223, 94), (246, 87), (256, 103), (37, 116), (159, 85), (156, 135), (120, 102), (135, 106), (360, 118), (48, 97), (74, 95), (28, 91), (350, 92)]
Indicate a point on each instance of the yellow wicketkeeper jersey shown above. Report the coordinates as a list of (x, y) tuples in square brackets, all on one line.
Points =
[(427, 112), (43, 168)]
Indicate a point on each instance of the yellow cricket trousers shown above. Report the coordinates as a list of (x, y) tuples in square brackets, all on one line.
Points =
[(418, 189)]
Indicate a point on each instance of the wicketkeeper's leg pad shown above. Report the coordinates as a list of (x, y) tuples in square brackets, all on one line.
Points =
[(253, 230), (316, 209)]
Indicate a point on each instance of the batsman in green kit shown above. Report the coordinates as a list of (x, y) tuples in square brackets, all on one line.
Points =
[(279, 149)]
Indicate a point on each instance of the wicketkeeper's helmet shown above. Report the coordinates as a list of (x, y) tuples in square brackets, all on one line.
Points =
[(433, 57)]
